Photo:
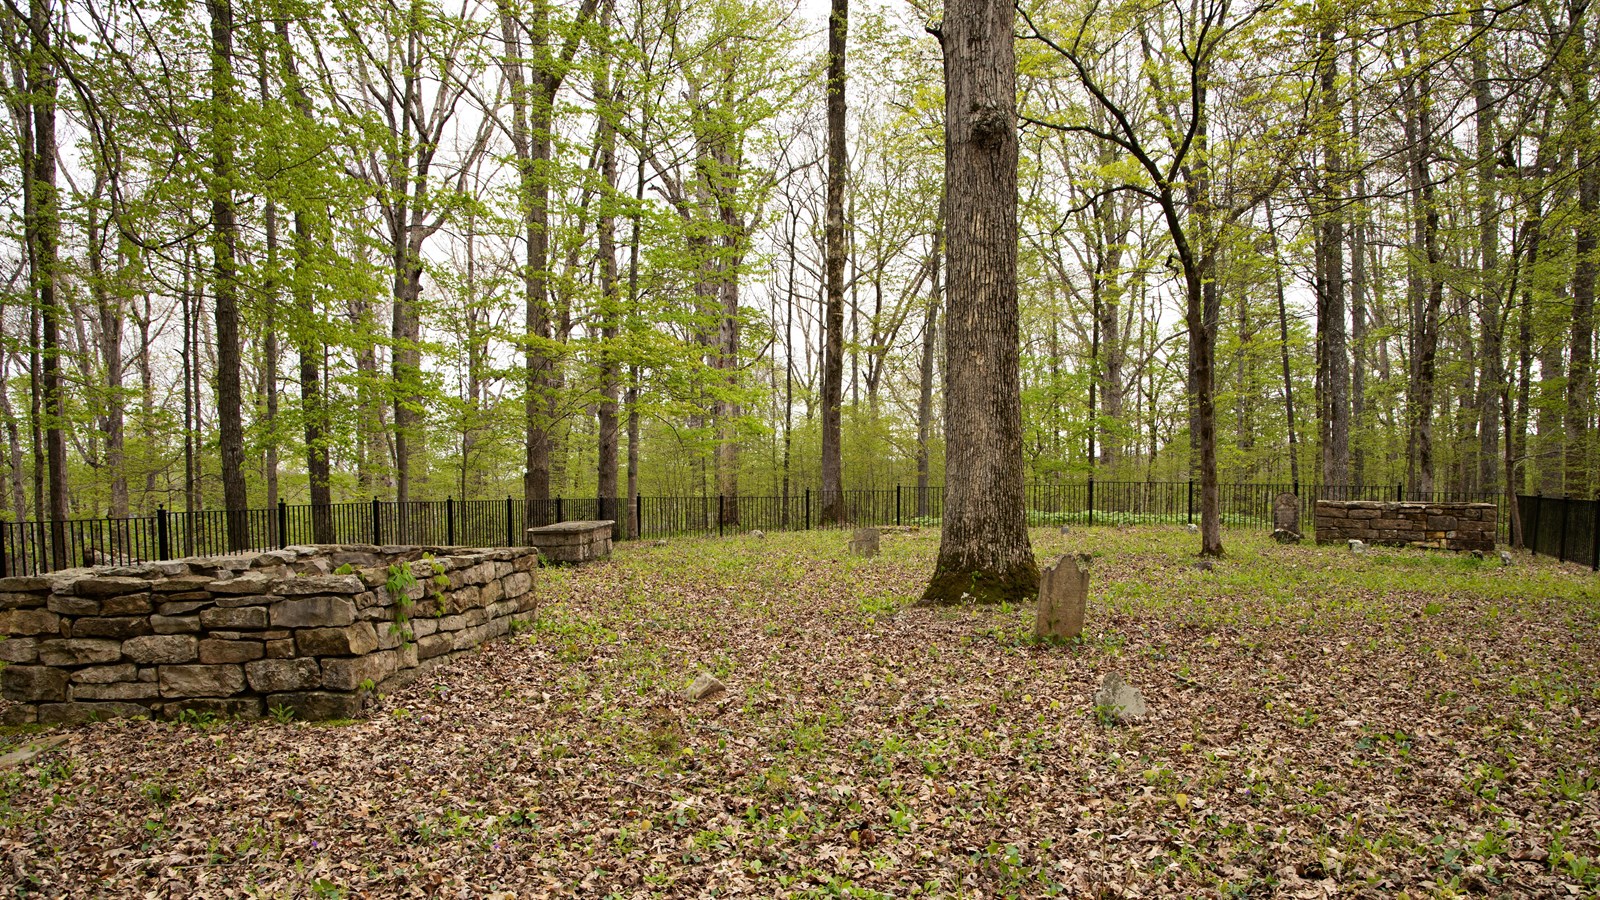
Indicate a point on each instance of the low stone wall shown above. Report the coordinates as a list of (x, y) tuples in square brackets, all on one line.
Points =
[(1443, 526), (314, 630)]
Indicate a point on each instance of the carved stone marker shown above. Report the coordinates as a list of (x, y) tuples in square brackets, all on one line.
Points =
[(1286, 514), (864, 542), (573, 542), (1063, 593)]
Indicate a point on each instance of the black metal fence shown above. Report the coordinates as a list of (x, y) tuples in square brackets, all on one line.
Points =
[(28, 548), (1563, 527)]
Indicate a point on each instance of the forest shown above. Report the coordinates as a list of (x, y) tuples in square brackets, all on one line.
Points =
[(264, 250)]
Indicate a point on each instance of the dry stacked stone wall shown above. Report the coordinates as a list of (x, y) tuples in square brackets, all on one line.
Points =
[(314, 630), (1443, 526)]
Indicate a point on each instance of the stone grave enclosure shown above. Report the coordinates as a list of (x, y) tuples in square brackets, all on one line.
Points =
[(575, 542), (1442, 526), (314, 630)]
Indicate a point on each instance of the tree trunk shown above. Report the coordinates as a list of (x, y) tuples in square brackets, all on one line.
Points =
[(833, 345), (984, 553), (224, 289), (1490, 323), (609, 305), (1283, 337), (1333, 365), (43, 226), (930, 342), (1586, 241)]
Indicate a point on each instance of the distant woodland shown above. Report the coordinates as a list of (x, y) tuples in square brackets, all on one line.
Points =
[(254, 250)]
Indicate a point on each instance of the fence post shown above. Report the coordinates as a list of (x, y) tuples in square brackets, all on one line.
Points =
[(450, 521), (1538, 510), (720, 509), (377, 524), (1189, 516), (897, 504), (4, 571), (1399, 492), (1594, 538), (283, 524), (163, 533), (1091, 499), (638, 516), (1566, 513), (511, 538), (558, 509)]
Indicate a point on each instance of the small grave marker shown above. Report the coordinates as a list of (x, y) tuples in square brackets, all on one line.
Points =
[(1063, 595), (864, 542)]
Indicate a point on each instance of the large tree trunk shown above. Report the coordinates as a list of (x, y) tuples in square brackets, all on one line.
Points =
[(610, 307), (1490, 324), (833, 322), (1425, 287), (984, 554), (1586, 241), (1333, 365)]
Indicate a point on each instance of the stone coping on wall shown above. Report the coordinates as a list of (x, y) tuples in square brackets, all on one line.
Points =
[(314, 630), (1442, 526)]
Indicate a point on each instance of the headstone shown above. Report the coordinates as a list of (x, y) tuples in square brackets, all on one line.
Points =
[(1505, 558), (705, 687), (1065, 530), (758, 534), (1284, 536), (1286, 513), (1119, 700), (864, 542), (1192, 528), (1063, 594), (1357, 547)]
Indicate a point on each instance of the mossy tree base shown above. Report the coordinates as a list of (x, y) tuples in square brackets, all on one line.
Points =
[(1018, 583)]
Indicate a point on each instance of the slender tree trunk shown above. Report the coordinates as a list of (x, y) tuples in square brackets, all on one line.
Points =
[(224, 243), (1586, 244), (1333, 366), (609, 311), (1490, 323), (1283, 337), (43, 228), (984, 553), (833, 345), (930, 342)]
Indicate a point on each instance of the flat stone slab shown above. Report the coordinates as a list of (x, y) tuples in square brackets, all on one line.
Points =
[(24, 754), (573, 542)]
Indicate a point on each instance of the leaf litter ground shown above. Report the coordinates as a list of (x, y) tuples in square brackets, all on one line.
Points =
[(1321, 725)]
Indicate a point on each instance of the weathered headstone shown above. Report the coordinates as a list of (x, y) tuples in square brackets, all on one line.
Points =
[(758, 534), (864, 542), (1286, 512), (1358, 547), (1118, 700), (1063, 594), (1192, 528), (1505, 558)]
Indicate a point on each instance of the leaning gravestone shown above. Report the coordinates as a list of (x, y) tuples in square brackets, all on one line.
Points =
[(1286, 518), (1063, 594), (864, 542)]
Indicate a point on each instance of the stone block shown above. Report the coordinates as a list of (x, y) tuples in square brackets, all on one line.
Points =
[(241, 617), (183, 607), (233, 601), (248, 583), (201, 681), (105, 674), (79, 652), (318, 706), (182, 584), (29, 621), (349, 674), (215, 652), (232, 708), (32, 684), (71, 605), (313, 612), (109, 586), (352, 640), (19, 649), (348, 585), (124, 690), (81, 713), (271, 676), (433, 645), (31, 584), (162, 649), (174, 624), (120, 628), (517, 583), (126, 605), (280, 649)]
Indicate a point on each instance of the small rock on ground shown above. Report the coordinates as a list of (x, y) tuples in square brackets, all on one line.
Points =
[(705, 687), (1357, 547), (1119, 699)]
